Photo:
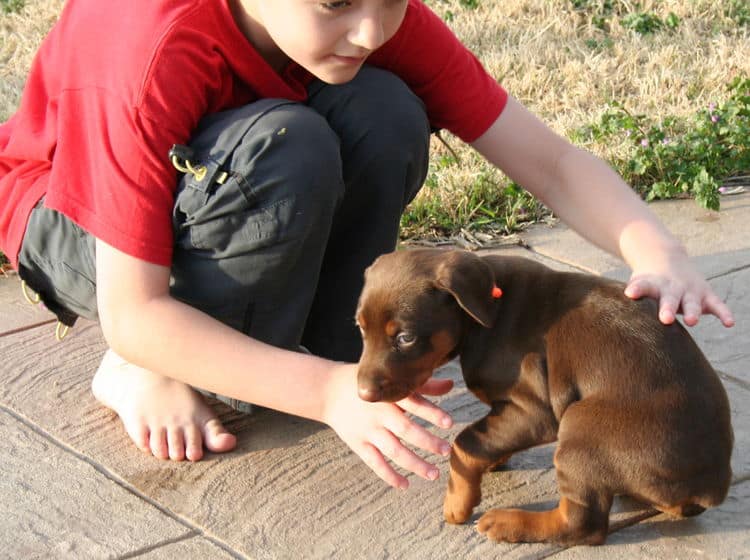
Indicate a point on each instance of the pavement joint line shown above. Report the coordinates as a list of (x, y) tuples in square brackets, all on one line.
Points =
[(28, 327), (152, 547), (194, 530), (728, 272), (729, 377)]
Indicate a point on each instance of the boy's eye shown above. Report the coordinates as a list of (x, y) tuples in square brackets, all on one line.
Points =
[(334, 5)]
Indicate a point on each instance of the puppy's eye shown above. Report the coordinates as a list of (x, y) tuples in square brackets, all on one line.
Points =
[(405, 339)]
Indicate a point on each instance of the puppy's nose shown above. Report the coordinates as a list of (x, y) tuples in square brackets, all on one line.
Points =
[(370, 394)]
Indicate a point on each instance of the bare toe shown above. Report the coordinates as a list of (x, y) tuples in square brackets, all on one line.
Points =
[(216, 437), (176, 442), (158, 443), (193, 443), (139, 433), (162, 416)]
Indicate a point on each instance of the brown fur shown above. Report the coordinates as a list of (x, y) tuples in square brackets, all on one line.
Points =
[(634, 404)]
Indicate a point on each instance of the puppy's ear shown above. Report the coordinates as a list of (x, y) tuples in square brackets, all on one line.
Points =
[(470, 280)]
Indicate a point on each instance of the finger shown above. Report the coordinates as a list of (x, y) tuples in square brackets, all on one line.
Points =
[(419, 406), (375, 460), (691, 310), (712, 304), (436, 387), (639, 287), (668, 305), (414, 434), (390, 446)]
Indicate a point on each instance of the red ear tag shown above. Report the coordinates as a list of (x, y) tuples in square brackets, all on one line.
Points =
[(496, 292)]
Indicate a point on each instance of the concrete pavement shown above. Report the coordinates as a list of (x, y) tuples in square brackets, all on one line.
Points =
[(73, 485)]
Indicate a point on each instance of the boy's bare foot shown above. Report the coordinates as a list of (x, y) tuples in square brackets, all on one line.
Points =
[(162, 416)]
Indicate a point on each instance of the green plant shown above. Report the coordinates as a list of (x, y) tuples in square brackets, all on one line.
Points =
[(739, 11), (10, 6), (644, 23), (675, 157), (598, 11), (469, 4), (488, 204)]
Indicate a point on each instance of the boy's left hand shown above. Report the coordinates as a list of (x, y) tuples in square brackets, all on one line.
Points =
[(380, 431), (679, 288)]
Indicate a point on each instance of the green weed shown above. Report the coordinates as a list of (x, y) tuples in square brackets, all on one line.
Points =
[(10, 6), (671, 157), (738, 11), (489, 203), (644, 23), (601, 12)]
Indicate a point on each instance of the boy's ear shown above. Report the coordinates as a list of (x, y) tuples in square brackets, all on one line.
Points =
[(469, 279)]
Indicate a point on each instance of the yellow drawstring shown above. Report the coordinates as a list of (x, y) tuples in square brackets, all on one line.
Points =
[(61, 330), (199, 172), (32, 300)]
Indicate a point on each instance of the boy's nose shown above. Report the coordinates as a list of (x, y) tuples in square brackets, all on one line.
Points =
[(368, 32)]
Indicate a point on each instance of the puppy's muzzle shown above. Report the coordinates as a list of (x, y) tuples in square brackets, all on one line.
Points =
[(370, 393), (374, 387)]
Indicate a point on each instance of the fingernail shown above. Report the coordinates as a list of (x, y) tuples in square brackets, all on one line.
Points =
[(445, 450), (403, 485), (446, 422), (433, 474)]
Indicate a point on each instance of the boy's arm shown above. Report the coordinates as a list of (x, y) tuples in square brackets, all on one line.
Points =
[(590, 197), (146, 326)]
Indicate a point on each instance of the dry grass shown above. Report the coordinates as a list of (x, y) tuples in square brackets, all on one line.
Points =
[(547, 54), (20, 35), (539, 50)]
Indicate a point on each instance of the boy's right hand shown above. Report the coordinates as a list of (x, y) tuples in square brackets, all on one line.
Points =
[(378, 430)]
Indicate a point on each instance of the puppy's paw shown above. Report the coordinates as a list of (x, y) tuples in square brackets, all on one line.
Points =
[(502, 525), (457, 509)]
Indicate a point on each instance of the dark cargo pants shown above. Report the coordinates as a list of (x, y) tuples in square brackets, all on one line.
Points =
[(297, 200)]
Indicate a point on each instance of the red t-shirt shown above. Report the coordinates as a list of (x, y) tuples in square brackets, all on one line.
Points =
[(116, 84)]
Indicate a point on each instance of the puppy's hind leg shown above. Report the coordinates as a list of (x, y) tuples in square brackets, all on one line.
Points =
[(569, 523), (584, 471)]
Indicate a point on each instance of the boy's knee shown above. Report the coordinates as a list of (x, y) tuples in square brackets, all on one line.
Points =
[(295, 151), (391, 113), (283, 179), (402, 107)]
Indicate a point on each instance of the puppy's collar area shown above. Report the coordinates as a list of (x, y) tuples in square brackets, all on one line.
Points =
[(497, 293)]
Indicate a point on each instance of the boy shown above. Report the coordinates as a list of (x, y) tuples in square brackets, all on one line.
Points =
[(305, 144)]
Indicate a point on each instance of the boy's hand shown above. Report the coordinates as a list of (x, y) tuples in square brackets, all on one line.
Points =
[(378, 430), (674, 282)]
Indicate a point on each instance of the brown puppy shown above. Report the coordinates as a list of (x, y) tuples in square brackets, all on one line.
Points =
[(634, 404)]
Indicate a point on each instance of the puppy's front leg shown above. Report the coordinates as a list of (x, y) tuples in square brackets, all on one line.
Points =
[(468, 465), (487, 444)]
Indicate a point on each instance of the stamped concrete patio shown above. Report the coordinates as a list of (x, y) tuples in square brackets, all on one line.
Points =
[(73, 486)]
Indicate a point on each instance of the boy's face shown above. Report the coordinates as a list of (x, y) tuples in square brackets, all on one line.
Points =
[(330, 39)]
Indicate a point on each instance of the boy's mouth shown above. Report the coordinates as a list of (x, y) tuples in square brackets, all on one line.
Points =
[(350, 60)]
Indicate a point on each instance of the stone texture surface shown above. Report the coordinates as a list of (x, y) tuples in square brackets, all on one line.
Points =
[(74, 486), (16, 312), (57, 506)]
